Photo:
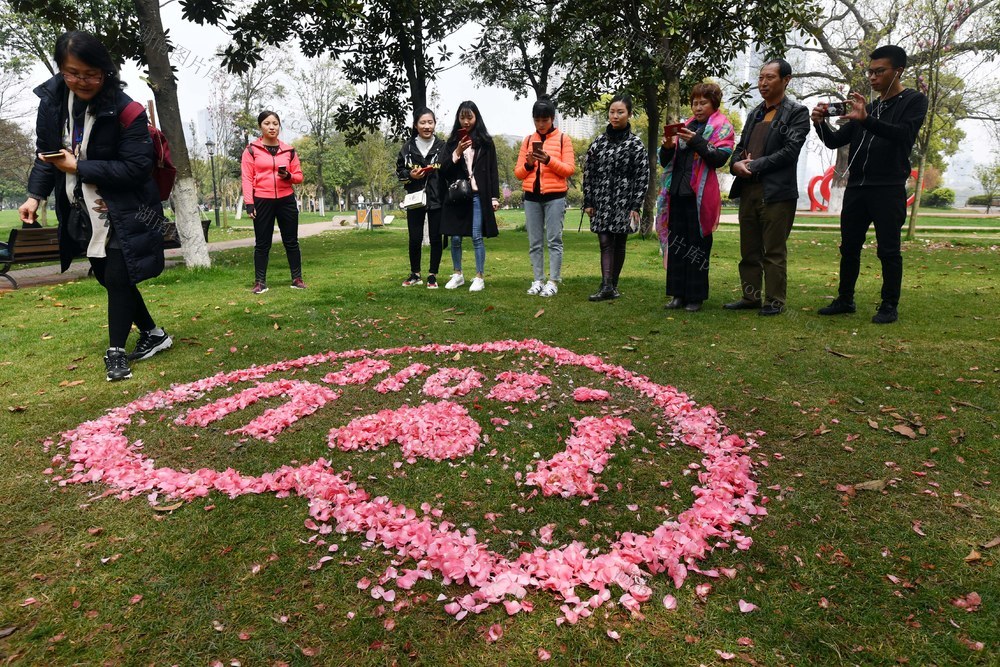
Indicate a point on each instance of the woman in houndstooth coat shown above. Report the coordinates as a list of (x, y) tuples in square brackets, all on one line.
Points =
[(615, 181)]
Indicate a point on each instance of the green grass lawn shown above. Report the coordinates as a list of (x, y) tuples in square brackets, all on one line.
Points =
[(840, 576)]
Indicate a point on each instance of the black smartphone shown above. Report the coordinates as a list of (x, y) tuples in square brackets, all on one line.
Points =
[(53, 155), (282, 169), (836, 109), (536, 146)]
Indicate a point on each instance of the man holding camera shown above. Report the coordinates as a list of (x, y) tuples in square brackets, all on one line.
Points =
[(764, 163), (881, 135)]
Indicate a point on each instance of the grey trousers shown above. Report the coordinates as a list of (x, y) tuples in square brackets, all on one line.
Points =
[(544, 222)]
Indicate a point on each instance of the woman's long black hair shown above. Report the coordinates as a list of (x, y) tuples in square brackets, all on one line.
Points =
[(480, 135), (91, 51)]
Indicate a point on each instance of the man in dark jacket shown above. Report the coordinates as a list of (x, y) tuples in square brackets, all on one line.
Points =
[(764, 163), (881, 136)]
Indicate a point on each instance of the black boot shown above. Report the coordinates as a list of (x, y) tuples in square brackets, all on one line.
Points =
[(604, 293), (614, 289)]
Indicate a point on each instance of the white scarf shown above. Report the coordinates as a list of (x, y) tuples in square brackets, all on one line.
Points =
[(96, 209), (424, 145)]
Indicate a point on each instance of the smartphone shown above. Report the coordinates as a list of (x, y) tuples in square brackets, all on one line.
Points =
[(536, 146), (671, 130), (463, 134), (282, 169), (53, 155), (836, 109)]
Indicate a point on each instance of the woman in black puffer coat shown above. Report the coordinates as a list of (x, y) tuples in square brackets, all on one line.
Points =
[(106, 201)]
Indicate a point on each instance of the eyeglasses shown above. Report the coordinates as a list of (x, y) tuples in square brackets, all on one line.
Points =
[(69, 77), (877, 72)]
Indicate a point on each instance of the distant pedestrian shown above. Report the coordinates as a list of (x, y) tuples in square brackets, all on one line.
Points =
[(615, 181), (270, 168)]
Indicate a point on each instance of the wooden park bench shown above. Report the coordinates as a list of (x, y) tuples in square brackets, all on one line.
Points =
[(27, 246)]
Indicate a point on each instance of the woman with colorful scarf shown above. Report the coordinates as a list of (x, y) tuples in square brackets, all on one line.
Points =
[(689, 204)]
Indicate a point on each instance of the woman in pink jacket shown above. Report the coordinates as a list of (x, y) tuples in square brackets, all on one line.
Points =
[(270, 168)]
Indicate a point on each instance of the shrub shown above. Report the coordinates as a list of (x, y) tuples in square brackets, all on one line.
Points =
[(939, 198), (978, 200)]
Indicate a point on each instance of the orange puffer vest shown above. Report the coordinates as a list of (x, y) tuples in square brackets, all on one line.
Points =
[(562, 163)]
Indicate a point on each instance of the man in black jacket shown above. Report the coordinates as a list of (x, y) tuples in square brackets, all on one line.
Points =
[(881, 136), (764, 163)]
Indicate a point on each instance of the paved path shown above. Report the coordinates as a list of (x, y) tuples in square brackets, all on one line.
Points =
[(50, 275)]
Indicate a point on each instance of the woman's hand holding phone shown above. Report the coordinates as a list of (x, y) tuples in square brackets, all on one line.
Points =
[(686, 133), (63, 160)]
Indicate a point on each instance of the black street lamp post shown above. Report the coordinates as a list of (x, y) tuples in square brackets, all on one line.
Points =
[(210, 145)]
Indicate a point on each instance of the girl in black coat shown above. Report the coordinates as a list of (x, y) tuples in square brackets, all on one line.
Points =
[(471, 155), (417, 169), (107, 204)]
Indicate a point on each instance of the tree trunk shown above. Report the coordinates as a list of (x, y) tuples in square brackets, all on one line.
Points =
[(320, 190), (161, 80), (652, 104), (911, 230)]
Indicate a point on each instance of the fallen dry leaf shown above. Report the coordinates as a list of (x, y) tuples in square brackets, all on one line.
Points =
[(7, 632), (973, 557), (541, 311), (168, 508), (905, 430), (873, 485), (995, 542)]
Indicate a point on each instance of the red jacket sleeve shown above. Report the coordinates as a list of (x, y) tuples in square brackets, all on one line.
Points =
[(247, 169)]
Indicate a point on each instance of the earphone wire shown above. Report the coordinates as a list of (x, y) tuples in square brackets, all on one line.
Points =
[(877, 113)]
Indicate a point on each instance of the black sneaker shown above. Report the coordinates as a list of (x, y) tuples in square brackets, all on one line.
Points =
[(838, 307), (887, 314), (412, 280), (149, 344), (116, 363), (432, 282)]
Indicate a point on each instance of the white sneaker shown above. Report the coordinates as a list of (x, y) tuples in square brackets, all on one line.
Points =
[(457, 280), (477, 284), (535, 288), (550, 289)]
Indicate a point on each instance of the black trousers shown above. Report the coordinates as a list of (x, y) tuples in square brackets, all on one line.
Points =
[(687, 252), (415, 226), (612, 255), (886, 208), (286, 212), (125, 304)]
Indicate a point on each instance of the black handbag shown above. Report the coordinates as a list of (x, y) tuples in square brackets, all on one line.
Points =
[(459, 191), (78, 226)]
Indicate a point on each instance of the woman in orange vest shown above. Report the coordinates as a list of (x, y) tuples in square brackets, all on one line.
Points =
[(544, 164)]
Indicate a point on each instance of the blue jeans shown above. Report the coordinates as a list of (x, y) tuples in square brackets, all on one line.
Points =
[(478, 248), (544, 223)]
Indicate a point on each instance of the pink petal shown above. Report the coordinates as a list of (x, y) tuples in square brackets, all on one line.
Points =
[(670, 602), (747, 607)]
